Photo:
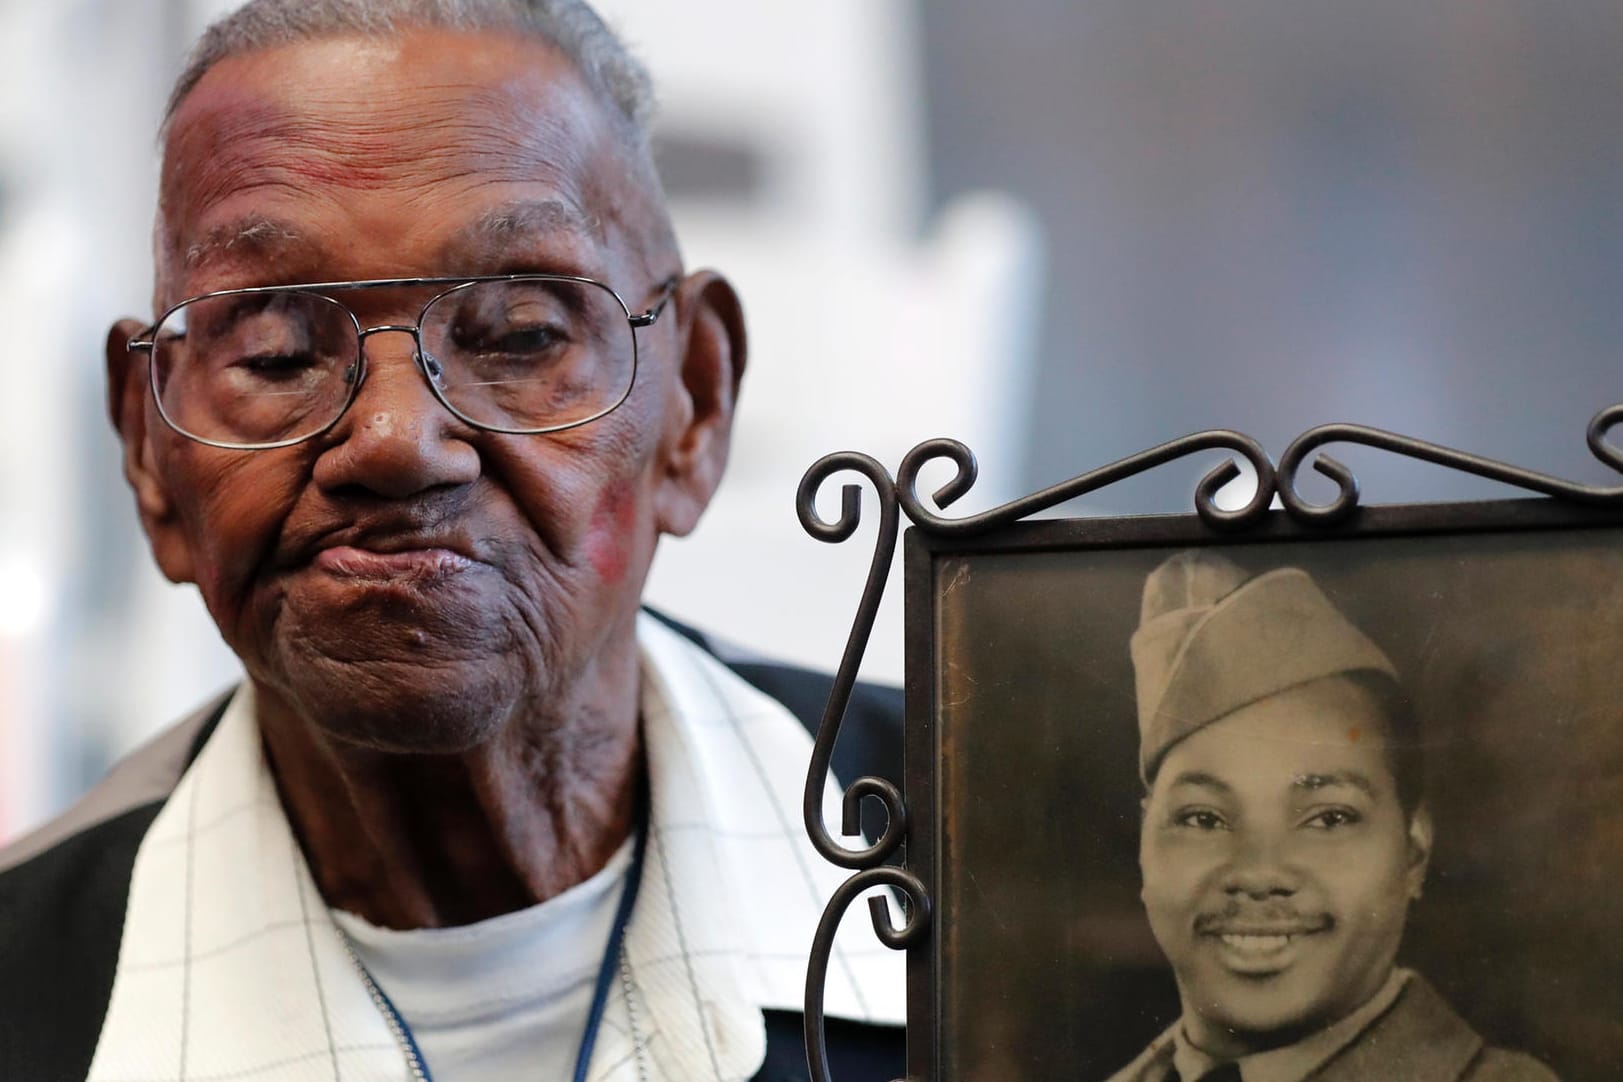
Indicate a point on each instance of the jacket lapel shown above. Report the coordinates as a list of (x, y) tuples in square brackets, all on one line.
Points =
[(1419, 1039)]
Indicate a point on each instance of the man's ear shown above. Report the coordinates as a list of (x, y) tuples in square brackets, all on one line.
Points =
[(127, 391), (699, 425), (1419, 850)]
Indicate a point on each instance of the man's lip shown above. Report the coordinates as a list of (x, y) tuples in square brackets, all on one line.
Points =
[(423, 563), (383, 538), (1263, 928)]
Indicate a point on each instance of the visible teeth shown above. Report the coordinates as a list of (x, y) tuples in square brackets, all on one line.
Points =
[(1257, 942)]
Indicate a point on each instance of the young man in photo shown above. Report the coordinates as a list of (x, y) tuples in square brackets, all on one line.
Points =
[(1284, 837)]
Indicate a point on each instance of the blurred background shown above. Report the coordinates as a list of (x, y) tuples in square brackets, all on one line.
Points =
[(1060, 230)]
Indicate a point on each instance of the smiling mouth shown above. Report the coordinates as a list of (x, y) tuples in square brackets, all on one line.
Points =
[(1259, 947), (1260, 952), (1257, 944)]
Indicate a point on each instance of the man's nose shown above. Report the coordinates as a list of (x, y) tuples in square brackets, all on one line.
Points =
[(396, 440), (1260, 866)]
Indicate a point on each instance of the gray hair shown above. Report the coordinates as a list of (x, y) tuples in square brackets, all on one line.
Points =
[(570, 26)]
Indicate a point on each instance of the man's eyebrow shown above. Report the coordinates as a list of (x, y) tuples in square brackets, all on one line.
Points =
[(253, 235), (1314, 782), (1200, 777), (514, 222)]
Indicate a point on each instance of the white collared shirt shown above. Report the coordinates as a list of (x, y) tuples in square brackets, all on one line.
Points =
[(231, 966)]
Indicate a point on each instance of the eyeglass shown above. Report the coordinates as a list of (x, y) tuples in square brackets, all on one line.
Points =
[(269, 366)]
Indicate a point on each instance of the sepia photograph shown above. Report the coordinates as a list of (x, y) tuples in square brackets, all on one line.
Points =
[(1290, 806)]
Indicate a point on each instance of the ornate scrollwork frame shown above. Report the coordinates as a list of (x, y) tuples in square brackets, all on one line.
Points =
[(875, 865)]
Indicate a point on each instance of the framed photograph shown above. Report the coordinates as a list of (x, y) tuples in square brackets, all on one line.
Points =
[(1176, 793)]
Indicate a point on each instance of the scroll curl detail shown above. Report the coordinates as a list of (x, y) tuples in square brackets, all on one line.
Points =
[(1345, 503), (911, 932), (856, 644), (965, 472)]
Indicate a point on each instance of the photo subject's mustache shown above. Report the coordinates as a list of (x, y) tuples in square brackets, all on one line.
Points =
[(1270, 918)]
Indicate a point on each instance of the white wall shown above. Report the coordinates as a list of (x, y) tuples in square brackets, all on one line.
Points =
[(93, 645), (872, 328)]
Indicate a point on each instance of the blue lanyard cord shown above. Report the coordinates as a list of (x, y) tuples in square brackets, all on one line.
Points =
[(617, 937), (605, 971)]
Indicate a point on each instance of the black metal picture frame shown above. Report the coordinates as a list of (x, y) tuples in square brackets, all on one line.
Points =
[(921, 852)]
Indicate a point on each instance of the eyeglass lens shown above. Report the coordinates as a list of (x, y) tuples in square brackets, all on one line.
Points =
[(278, 365)]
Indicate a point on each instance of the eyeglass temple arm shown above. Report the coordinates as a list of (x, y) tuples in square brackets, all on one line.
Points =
[(667, 290)]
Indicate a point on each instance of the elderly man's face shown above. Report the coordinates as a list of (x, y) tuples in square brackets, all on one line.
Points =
[(429, 578), (1278, 866)]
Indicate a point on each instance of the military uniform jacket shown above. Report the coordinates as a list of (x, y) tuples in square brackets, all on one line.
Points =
[(1418, 1039)]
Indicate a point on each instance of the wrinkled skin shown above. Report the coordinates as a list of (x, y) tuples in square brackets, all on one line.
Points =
[(1279, 866), (437, 621)]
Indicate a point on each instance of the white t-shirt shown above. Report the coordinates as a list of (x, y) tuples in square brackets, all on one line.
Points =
[(505, 999)]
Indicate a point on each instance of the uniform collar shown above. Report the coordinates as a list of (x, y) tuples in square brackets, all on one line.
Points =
[(1298, 1061)]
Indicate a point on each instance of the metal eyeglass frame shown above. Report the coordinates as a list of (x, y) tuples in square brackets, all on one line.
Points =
[(146, 340)]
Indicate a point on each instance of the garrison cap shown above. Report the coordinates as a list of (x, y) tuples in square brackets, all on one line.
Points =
[(1211, 638)]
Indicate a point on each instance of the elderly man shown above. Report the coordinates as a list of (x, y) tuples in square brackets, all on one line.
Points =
[(1283, 840), (424, 383)]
